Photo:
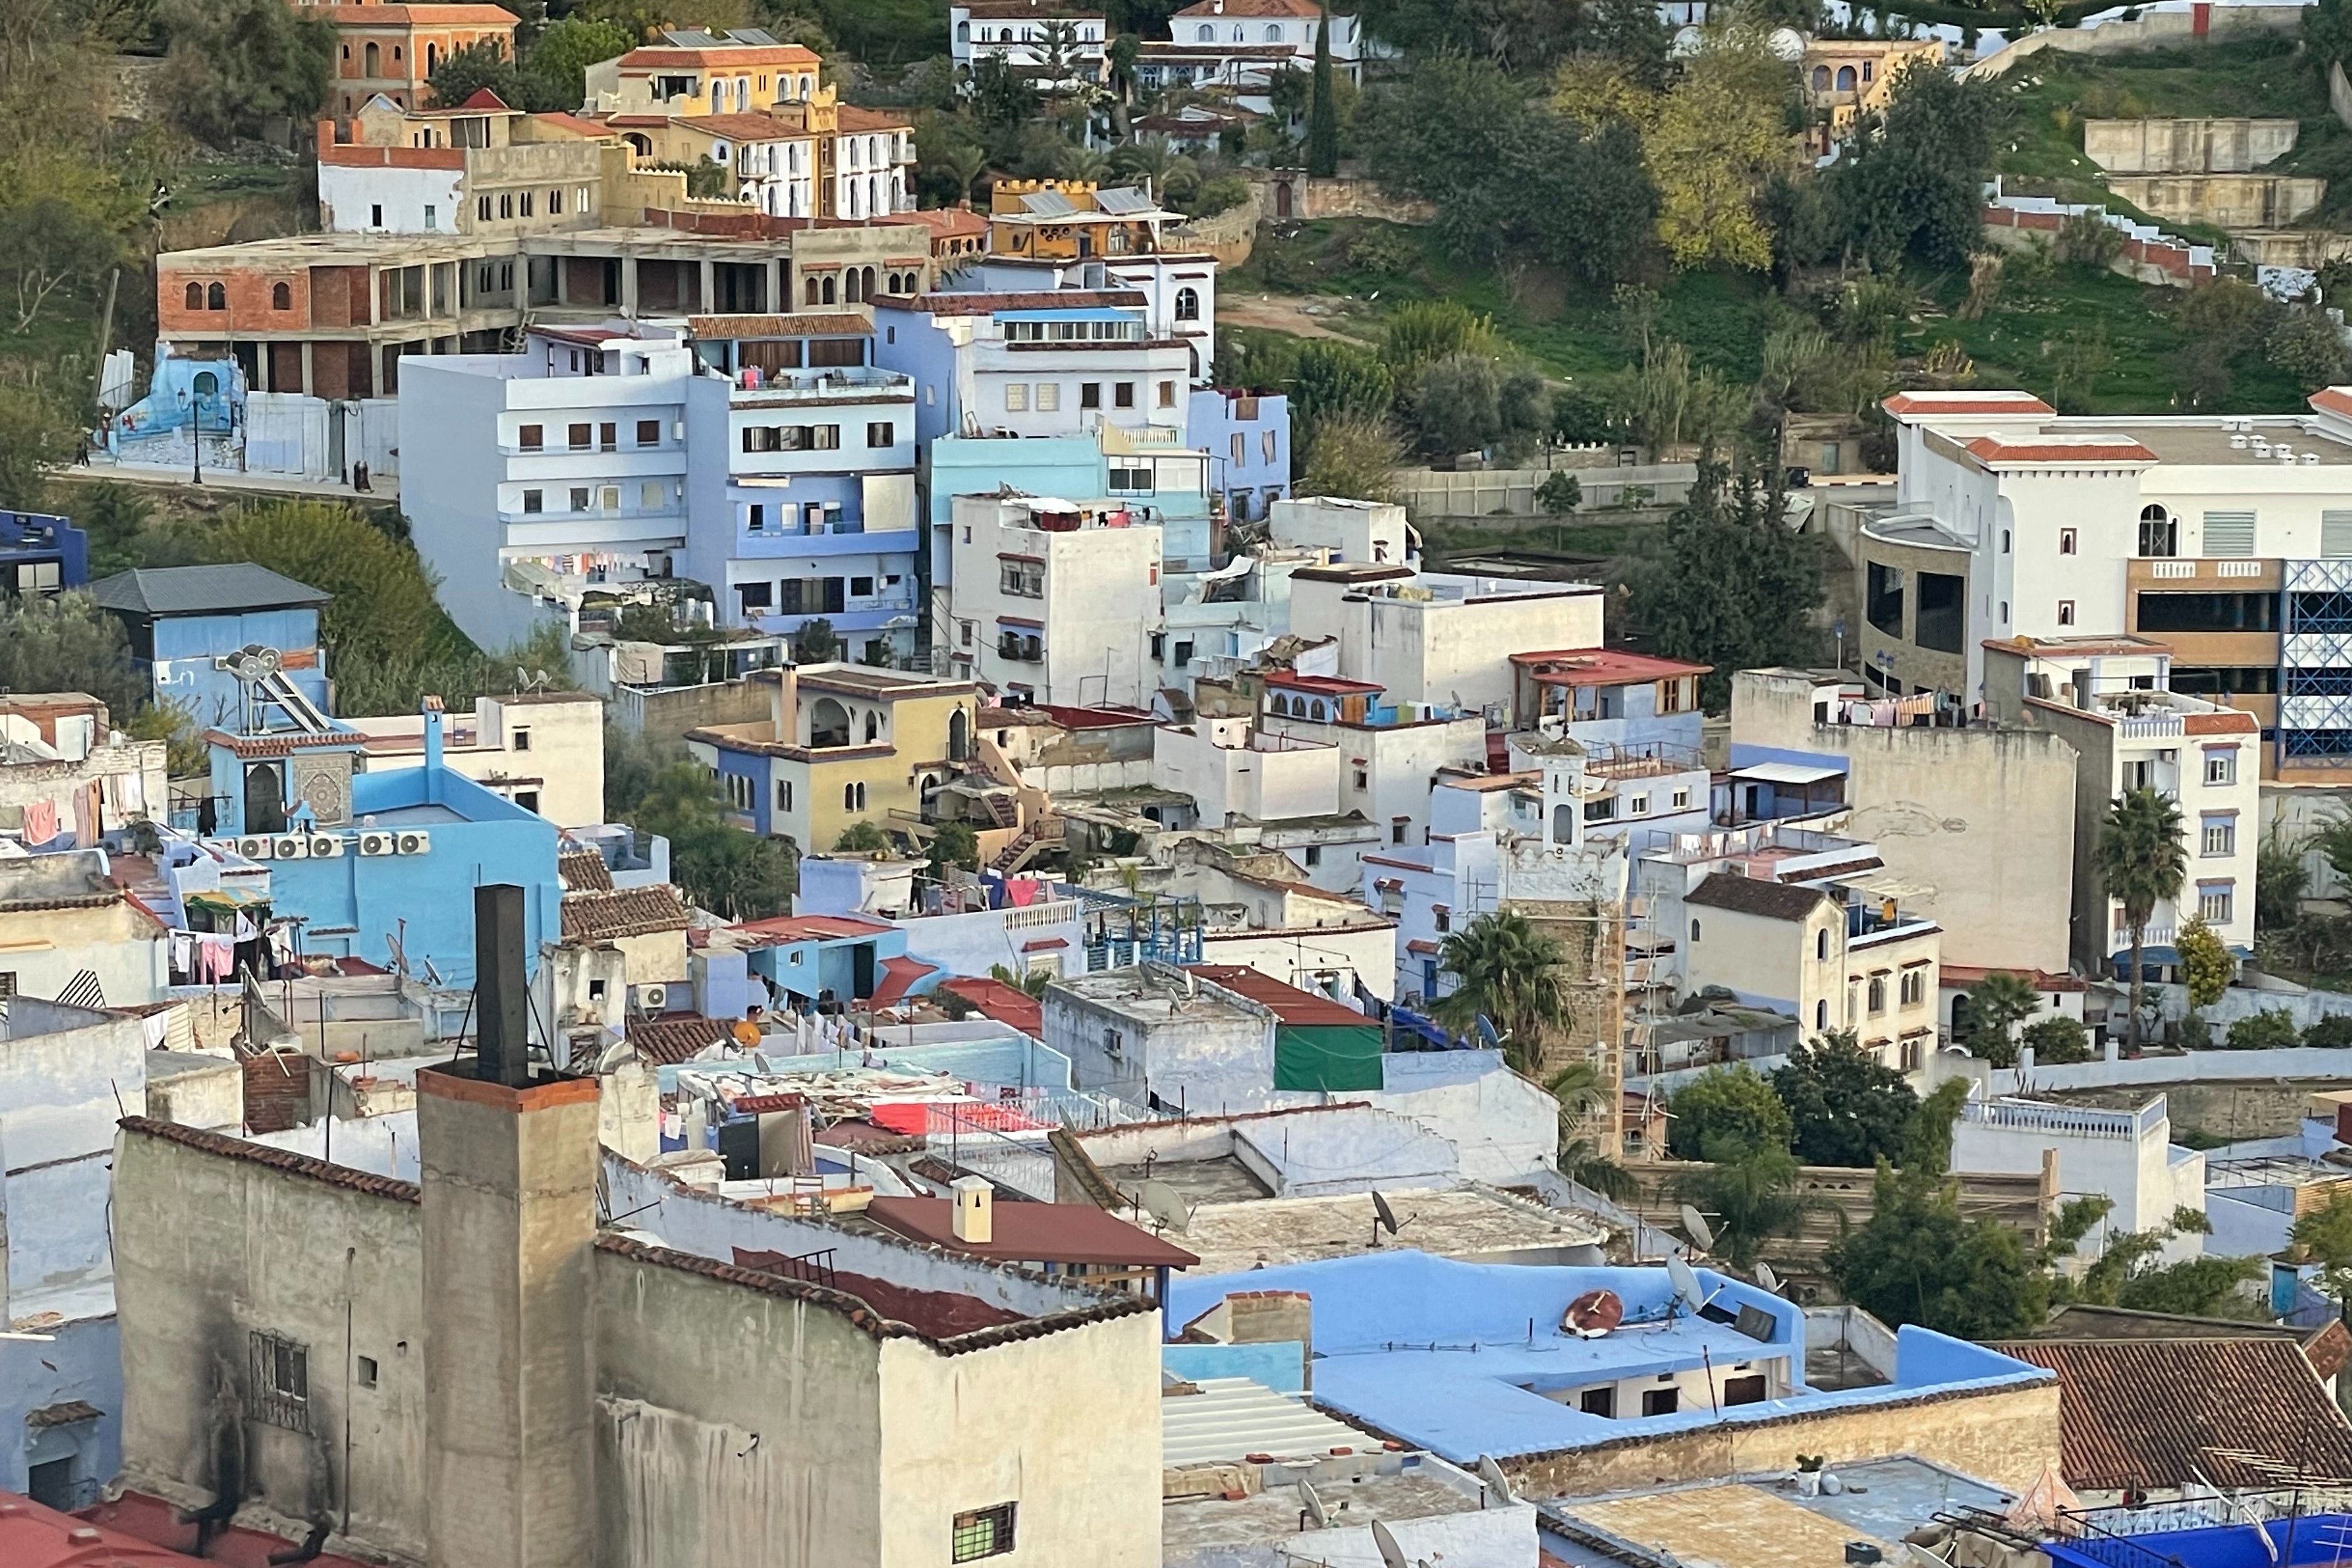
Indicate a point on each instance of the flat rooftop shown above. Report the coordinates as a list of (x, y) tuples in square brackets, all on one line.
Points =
[(1756, 1524), (1417, 1489), (1464, 1222), (2205, 443), (1466, 1359)]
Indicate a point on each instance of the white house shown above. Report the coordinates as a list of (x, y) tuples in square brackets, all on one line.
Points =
[(1029, 35), (1242, 45), (1053, 601)]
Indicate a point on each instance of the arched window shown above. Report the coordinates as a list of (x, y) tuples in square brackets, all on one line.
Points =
[(828, 291), (1240, 33), (1845, 79), (849, 797), (2158, 534), (1315, 710), (196, 296), (849, 286), (1188, 304), (861, 797), (206, 383), (281, 298), (963, 32), (1822, 944), (811, 291), (369, 60), (869, 284), (1208, 34), (431, 57), (1563, 825), (1273, 33), (873, 728), (1820, 79), (216, 297), (828, 723), (1821, 1014), (959, 736), (1694, 923)]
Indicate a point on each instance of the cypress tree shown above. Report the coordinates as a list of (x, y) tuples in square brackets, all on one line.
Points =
[(1323, 108)]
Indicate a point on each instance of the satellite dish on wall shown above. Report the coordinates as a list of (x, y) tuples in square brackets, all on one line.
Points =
[(1694, 1225), (1593, 1314), (1165, 1205), (1766, 1278)]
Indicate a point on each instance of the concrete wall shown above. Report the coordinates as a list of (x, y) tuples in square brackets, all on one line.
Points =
[(211, 1251), (2233, 145), (2224, 201), (45, 949), (2149, 30), (1210, 1059), (1975, 819)]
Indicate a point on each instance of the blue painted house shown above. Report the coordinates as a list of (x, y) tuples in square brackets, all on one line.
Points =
[(370, 863), (1248, 438), (40, 555), (182, 620)]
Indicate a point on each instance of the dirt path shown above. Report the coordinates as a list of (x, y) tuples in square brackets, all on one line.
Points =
[(1311, 316)]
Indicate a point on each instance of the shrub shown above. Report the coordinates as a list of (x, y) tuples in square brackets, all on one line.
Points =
[(2332, 1033), (2057, 1040), (2269, 1030)]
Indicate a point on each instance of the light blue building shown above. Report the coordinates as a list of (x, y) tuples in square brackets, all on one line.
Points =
[(183, 620), (1248, 438), (382, 867), (186, 399), (40, 555)]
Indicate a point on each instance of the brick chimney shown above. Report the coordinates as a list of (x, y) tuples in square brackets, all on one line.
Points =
[(509, 1156)]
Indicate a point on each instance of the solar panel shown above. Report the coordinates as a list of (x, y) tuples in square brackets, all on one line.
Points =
[(1123, 200), (1048, 204)]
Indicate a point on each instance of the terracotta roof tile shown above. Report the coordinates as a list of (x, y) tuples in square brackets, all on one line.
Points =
[(629, 911), (675, 1037), (284, 1160), (2163, 1413), (583, 871), (1756, 896)]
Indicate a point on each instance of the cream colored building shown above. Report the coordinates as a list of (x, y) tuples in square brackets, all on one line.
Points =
[(543, 750)]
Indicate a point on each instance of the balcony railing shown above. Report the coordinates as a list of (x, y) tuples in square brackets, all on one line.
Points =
[(788, 385)]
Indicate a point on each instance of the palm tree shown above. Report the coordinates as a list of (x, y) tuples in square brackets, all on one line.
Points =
[(1997, 1004), (967, 163), (1171, 173), (2141, 861), (1077, 163), (1511, 973), (1582, 1090), (1753, 1198)]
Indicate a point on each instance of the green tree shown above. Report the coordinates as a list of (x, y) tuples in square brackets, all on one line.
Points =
[(561, 56), (1331, 378), (1001, 97), (1748, 1199), (64, 225), (1725, 1112), (1928, 1143), (2328, 34), (1507, 971), (2324, 1236), (66, 643), (383, 606), (2204, 1287), (718, 867), (2334, 841), (1323, 110), (1845, 1106), (1353, 456), (1997, 1004), (1729, 584), (955, 843), (235, 64), (2280, 878), (815, 642), (1466, 402), (1424, 331), (1580, 1090), (2139, 860), (1912, 180), (1629, 34), (36, 428), (2271, 1029), (2057, 1040), (1171, 172), (487, 64), (1918, 1260), (1560, 493), (2206, 966), (864, 836)]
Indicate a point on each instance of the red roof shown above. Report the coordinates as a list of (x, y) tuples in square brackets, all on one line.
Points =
[(1288, 1003), (1095, 718), (1033, 1232), (725, 56), (942, 1314), (134, 1532), (2332, 400), (571, 122), (1911, 403), (1005, 1004), (913, 1117), (1602, 667), (2046, 451), (899, 976), (812, 928), (1327, 685)]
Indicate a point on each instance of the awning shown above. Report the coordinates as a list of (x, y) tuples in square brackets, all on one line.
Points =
[(899, 976), (1786, 774)]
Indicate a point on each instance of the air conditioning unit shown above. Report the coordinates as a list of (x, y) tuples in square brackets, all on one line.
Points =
[(326, 847), (254, 848), (376, 844), (293, 846), (412, 843), (649, 999)]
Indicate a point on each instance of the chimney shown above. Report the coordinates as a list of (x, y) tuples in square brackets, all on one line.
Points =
[(975, 1215), (784, 704), (433, 752), (508, 1157)]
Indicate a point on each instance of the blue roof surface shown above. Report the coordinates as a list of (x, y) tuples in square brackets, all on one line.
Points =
[(1455, 1357)]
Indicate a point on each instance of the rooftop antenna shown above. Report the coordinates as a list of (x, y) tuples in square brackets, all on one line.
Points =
[(1384, 1218), (1694, 1225), (1165, 1205)]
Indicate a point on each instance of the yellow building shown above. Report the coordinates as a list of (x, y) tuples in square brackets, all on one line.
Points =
[(842, 743), (1847, 78), (1061, 220)]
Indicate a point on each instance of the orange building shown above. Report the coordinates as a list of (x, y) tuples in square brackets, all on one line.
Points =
[(395, 49)]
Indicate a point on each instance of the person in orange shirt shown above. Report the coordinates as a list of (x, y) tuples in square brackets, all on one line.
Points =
[(747, 1030)]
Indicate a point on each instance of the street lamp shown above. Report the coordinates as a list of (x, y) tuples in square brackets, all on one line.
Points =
[(196, 433)]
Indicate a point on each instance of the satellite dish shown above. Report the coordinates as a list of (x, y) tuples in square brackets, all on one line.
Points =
[(1392, 1554), (1694, 1225), (1388, 1218), (1766, 1278), (1498, 1483), (1165, 1206), (1685, 1282), (1315, 1509), (1593, 1314)]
